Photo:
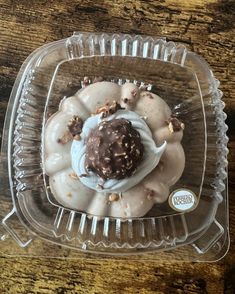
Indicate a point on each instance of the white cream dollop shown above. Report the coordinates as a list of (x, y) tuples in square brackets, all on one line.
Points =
[(151, 157)]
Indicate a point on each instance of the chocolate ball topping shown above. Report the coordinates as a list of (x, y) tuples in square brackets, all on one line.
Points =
[(113, 149)]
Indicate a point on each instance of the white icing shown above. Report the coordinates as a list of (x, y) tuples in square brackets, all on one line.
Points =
[(151, 157)]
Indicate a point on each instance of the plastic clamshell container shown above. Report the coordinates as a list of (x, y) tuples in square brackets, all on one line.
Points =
[(29, 212)]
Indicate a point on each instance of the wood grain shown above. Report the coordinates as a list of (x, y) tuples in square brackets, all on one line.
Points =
[(206, 27)]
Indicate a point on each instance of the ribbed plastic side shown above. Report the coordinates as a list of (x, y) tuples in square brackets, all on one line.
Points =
[(82, 45)]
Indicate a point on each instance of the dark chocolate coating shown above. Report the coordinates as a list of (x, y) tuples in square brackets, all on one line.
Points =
[(113, 149)]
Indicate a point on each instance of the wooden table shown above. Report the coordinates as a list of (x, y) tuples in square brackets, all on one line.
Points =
[(206, 27)]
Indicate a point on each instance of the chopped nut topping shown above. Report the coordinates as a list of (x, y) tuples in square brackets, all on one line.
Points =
[(133, 93), (175, 125), (109, 109), (170, 126), (75, 126), (67, 137), (74, 176), (113, 197), (150, 193), (77, 137), (149, 95)]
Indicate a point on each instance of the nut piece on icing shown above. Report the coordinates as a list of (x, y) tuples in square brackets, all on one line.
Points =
[(114, 149), (109, 109), (74, 176), (75, 126), (175, 125), (149, 193), (67, 137), (74, 130), (113, 197)]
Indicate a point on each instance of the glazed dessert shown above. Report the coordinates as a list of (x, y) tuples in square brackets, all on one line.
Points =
[(113, 150)]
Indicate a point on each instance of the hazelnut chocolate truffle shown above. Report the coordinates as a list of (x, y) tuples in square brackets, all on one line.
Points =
[(114, 149), (104, 166)]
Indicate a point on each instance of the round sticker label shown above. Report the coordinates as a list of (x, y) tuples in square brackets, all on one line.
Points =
[(182, 200)]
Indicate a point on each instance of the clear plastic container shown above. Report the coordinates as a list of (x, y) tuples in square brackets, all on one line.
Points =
[(30, 213)]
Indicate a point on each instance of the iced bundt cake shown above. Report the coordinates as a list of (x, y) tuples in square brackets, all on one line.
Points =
[(113, 150)]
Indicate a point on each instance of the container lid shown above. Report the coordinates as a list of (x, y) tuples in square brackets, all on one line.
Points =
[(177, 194)]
